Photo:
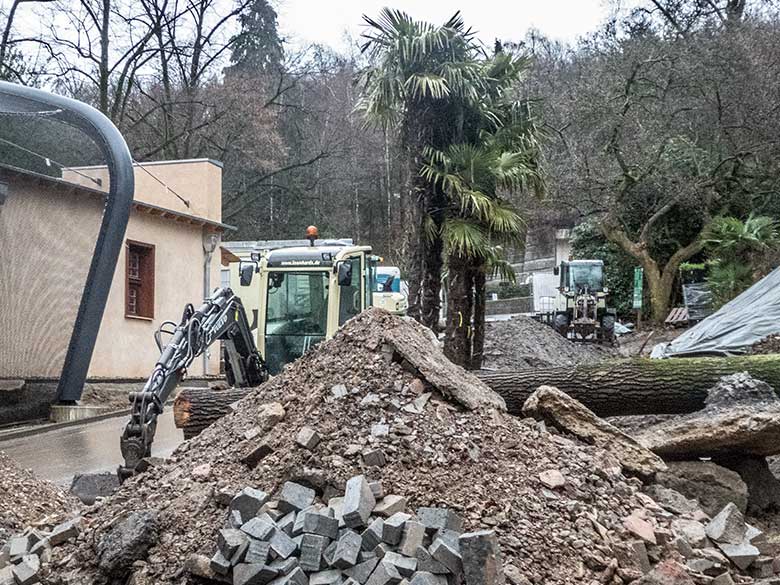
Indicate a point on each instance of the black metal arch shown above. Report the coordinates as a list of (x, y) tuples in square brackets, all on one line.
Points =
[(16, 98)]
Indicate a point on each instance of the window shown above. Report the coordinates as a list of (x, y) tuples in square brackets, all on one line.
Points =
[(139, 280), (349, 301)]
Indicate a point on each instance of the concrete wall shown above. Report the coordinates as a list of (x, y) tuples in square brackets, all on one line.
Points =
[(48, 232), (199, 181)]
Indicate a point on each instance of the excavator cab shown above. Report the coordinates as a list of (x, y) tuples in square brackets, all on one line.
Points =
[(301, 295)]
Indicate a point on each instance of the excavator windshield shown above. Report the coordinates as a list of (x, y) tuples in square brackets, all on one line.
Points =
[(297, 315)]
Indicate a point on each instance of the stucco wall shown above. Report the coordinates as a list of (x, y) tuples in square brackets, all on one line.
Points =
[(47, 234), (199, 181), (125, 346)]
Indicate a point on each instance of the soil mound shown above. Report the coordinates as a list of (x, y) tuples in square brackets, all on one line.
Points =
[(522, 342), (378, 385)]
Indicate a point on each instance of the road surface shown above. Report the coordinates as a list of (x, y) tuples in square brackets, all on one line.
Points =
[(89, 448)]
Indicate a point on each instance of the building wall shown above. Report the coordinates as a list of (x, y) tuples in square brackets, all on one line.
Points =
[(125, 346), (199, 181), (48, 234)]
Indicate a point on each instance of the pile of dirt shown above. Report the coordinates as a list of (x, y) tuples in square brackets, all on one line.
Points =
[(522, 342), (26, 500), (379, 385), (768, 345)]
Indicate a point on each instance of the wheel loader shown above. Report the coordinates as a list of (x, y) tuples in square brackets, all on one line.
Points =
[(580, 310)]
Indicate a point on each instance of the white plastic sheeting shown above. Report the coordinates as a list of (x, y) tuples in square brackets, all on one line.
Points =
[(752, 316)]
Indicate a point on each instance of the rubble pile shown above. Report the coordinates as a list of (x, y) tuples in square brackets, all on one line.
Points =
[(379, 400), (26, 500), (22, 555), (770, 344), (522, 342), (361, 538)]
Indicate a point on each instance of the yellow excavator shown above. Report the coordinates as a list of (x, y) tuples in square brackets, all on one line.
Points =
[(300, 296)]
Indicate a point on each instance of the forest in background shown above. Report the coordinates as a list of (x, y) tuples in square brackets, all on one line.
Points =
[(651, 128)]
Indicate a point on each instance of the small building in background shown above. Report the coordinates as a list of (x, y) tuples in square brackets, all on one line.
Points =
[(48, 230)]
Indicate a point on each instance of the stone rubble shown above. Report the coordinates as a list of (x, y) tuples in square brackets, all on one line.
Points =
[(426, 549)]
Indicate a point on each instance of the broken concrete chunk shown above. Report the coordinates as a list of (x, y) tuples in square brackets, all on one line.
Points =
[(712, 485), (406, 566), (282, 544), (742, 555), (671, 500), (25, 573), (640, 527), (437, 518), (219, 564), (481, 557), (316, 523), (312, 546), (252, 574), (338, 391), (447, 555), (347, 550), (413, 536), (377, 489), (308, 438), (426, 563), (374, 458), (230, 540), (384, 574), (379, 430), (425, 578), (728, 526), (552, 479), (248, 502), (389, 505), (258, 528), (329, 552), (257, 552), (393, 528), (362, 571), (18, 546), (372, 535), (359, 501), (295, 497), (284, 566), (64, 532), (565, 413), (329, 577)]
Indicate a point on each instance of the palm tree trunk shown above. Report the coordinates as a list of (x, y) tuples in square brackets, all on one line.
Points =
[(478, 341), (457, 340)]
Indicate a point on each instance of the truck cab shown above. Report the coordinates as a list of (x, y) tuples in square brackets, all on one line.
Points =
[(301, 295)]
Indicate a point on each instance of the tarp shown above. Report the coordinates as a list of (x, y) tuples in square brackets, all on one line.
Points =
[(752, 316)]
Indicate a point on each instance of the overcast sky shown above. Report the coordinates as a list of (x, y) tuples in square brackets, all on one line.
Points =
[(328, 21)]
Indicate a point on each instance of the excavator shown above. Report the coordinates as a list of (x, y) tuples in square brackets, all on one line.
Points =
[(581, 312), (302, 296)]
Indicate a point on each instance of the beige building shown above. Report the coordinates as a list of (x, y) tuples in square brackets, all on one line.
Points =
[(48, 229)]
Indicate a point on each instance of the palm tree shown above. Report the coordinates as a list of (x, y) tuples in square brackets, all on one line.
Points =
[(501, 156), (742, 252), (418, 79)]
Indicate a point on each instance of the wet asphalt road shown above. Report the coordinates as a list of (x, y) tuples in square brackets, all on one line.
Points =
[(89, 448)]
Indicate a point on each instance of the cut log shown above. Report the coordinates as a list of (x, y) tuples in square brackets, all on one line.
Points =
[(633, 386), (611, 388), (196, 408)]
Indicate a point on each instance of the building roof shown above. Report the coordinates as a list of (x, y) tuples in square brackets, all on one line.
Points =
[(137, 205)]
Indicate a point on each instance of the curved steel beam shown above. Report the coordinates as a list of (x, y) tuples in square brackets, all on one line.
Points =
[(116, 214)]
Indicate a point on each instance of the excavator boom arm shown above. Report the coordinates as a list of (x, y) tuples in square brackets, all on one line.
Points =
[(221, 317)]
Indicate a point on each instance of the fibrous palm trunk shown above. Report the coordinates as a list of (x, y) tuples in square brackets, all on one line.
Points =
[(478, 341), (457, 341)]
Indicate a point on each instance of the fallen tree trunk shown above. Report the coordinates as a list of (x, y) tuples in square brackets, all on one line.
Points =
[(633, 386), (196, 408), (611, 388)]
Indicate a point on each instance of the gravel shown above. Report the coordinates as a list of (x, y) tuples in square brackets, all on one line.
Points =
[(26, 500), (522, 342)]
